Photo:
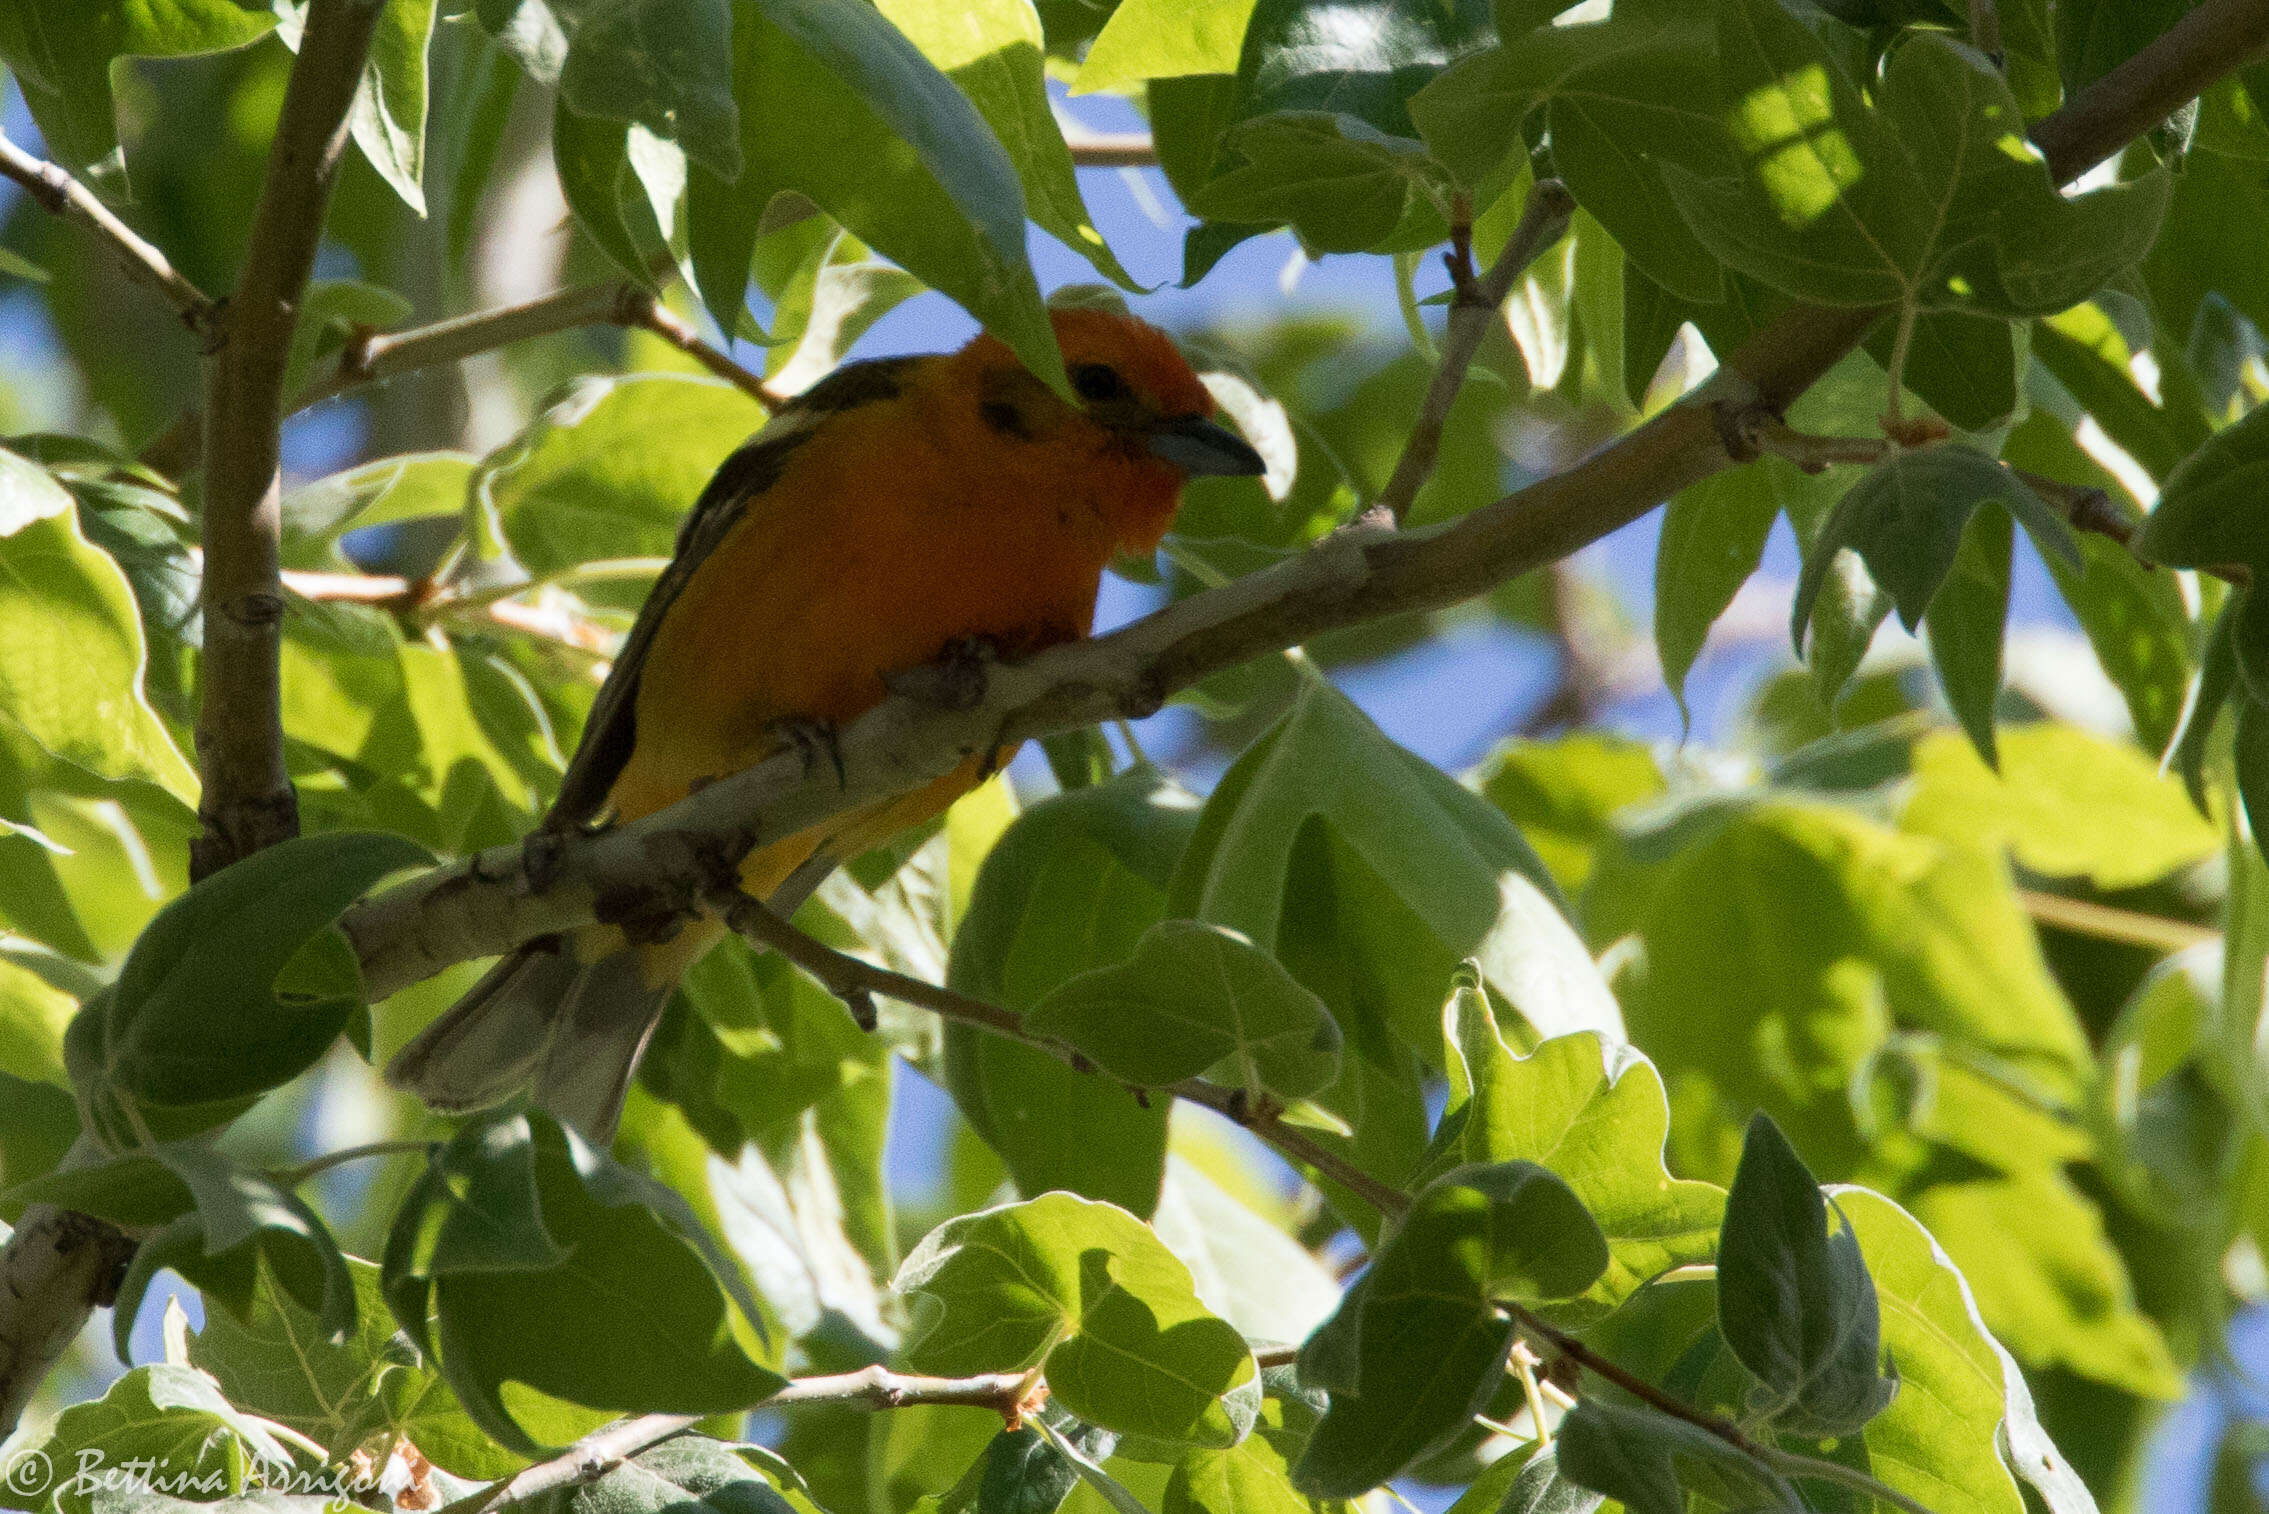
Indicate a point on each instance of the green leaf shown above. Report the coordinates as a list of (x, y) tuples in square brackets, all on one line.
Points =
[(1087, 1293), (592, 160), (908, 166), (236, 987), (1646, 1460), (1071, 887), (1563, 795), (1713, 537), (33, 1013), (71, 646), (174, 1418), (277, 1361), (1026, 1474), (2207, 512), (694, 1474), (517, 1225), (1938, 1441), (1165, 39), (1340, 183), (1419, 1343), (388, 117), (407, 487), (1194, 997), (1252, 1477), (1596, 1119), (2140, 629), (242, 1220), (992, 50), (2066, 804), (665, 65), (62, 53), (1906, 520), (1966, 620), (1934, 199), (1620, 99), (1794, 1300), (584, 481)]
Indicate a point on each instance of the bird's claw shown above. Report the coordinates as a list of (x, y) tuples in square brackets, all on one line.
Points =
[(814, 739), (954, 680)]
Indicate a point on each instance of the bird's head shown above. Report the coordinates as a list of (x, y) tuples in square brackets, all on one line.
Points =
[(1142, 426)]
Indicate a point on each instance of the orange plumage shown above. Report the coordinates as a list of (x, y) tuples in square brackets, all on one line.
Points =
[(896, 509)]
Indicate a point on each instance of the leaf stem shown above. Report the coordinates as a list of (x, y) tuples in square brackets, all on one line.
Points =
[(1795, 1464), (856, 982), (1894, 404), (292, 1177)]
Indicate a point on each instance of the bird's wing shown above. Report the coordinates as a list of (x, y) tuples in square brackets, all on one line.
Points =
[(611, 731)]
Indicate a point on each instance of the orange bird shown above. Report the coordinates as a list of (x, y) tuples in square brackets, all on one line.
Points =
[(899, 507)]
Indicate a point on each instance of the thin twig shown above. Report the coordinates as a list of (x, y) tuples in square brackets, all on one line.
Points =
[(54, 189), (856, 982), (248, 801), (292, 1177), (2106, 922), (374, 357), (1569, 1348), (1132, 149), (1543, 222), (641, 309)]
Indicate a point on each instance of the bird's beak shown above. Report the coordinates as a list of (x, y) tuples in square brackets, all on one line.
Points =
[(1201, 448)]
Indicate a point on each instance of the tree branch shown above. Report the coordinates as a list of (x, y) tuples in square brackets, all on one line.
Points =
[(248, 802), (1475, 306), (855, 981), (57, 1268), (1111, 149), (54, 189)]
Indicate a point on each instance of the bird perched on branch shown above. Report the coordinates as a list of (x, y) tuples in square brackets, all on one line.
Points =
[(898, 508)]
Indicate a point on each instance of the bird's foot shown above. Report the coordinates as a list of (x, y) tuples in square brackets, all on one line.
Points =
[(814, 739), (955, 680)]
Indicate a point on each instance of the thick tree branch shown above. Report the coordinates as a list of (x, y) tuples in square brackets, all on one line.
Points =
[(248, 801), (855, 981), (1477, 299), (57, 1267), (55, 191)]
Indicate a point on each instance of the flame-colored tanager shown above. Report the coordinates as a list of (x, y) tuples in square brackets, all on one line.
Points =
[(899, 507)]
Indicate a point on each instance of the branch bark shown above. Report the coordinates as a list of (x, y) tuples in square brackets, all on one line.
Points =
[(248, 802), (57, 1268), (54, 189)]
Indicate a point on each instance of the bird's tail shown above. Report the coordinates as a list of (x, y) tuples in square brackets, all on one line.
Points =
[(547, 1018)]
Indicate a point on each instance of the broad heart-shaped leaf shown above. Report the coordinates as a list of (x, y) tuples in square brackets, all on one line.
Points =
[(172, 1415), (1194, 997), (1340, 183), (1419, 1343), (1255, 1475), (1620, 98), (837, 105), (1906, 518), (2209, 509), (1371, 875), (1937, 1442), (61, 52), (1647, 1461), (992, 50), (1933, 199), (239, 985), (1596, 1116), (1794, 1300), (277, 1361), (1071, 887), (517, 1225), (242, 1219), (1086, 1293), (585, 480), (2067, 803), (71, 645)]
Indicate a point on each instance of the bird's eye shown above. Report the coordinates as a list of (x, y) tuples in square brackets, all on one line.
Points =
[(1096, 382)]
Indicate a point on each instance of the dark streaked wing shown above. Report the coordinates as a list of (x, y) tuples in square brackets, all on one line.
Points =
[(611, 731)]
